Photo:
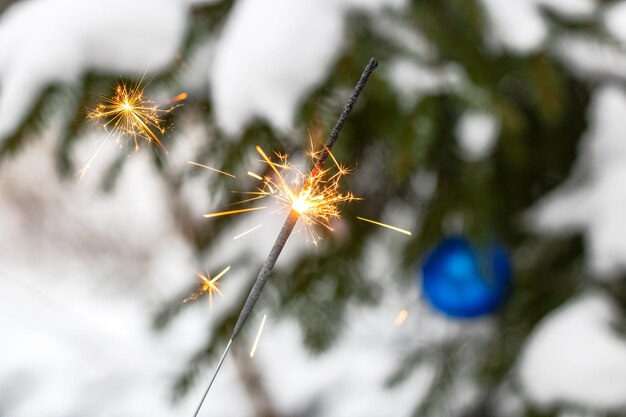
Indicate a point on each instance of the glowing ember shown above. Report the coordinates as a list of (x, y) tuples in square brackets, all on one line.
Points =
[(208, 286), (211, 169), (177, 98), (229, 212)]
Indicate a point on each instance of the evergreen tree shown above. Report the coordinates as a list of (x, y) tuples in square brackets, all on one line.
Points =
[(410, 162)]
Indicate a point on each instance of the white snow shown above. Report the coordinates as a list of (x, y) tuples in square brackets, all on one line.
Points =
[(574, 357), (413, 81), (593, 201), (79, 270), (519, 25), (476, 133), (590, 58), (271, 54), (597, 59), (615, 20), (44, 42), (569, 8)]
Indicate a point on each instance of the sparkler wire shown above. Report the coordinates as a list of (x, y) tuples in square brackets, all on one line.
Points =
[(219, 365), (288, 226)]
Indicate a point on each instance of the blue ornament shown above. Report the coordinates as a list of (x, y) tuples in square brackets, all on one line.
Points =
[(462, 281)]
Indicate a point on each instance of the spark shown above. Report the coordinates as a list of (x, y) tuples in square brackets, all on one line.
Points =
[(210, 168), (388, 226), (258, 336), (208, 286), (226, 213), (83, 170), (128, 113), (253, 175), (401, 317), (179, 97), (247, 231)]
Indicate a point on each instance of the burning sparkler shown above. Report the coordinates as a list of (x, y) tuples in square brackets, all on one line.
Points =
[(128, 113), (302, 205)]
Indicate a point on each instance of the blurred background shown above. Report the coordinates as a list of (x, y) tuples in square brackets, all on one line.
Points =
[(492, 130)]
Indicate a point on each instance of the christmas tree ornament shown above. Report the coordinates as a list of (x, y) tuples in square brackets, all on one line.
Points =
[(464, 281)]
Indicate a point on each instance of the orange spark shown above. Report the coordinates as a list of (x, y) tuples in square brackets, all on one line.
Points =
[(315, 195), (180, 97), (397, 229), (208, 286)]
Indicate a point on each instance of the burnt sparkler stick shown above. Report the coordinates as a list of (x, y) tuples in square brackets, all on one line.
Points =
[(288, 226)]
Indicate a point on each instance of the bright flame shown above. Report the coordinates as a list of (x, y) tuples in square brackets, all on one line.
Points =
[(301, 205), (315, 195), (208, 286)]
